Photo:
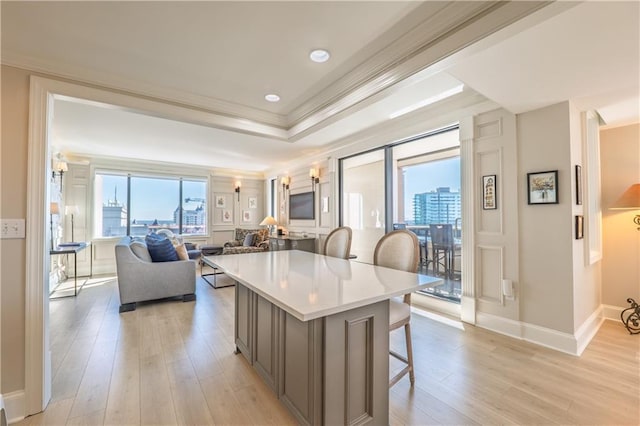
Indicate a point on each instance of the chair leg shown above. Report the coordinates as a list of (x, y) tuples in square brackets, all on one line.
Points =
[(407, 333)]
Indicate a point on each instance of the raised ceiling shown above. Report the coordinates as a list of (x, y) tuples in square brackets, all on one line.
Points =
[(223, 57)]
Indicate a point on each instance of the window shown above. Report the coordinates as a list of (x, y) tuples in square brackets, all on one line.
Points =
[(138, 205)]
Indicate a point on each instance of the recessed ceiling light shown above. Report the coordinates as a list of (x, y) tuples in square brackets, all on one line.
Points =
[(272, 97), (319, 55)]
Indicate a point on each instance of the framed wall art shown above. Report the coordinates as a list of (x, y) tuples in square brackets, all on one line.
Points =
[(542, 187), (227, 216), (489, 193), (221, 201), (253, 203), (246, 216)]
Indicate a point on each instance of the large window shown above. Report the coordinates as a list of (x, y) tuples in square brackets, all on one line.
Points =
[(138, 205)]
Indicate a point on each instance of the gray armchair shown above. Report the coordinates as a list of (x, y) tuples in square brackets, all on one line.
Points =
[(140, 279)]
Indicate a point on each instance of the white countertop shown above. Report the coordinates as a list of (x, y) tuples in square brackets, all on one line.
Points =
[(310, 286)]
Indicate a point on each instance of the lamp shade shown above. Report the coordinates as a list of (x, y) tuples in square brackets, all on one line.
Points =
[(71, 210), (268, 221), (630, 199), (61, 166)]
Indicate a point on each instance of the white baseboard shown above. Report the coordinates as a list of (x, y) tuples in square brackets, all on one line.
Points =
[(611, 312), (588, 330), (14, 403), (573, 344)]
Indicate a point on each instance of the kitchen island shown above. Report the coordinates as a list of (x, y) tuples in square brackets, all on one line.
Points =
[(316, 329)]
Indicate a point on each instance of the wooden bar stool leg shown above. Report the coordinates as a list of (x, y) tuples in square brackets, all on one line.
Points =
[(407, 333)]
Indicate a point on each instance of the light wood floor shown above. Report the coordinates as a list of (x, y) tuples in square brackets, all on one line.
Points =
[(173, 363)]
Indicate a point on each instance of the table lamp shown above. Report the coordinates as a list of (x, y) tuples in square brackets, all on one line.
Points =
[(270, 222), (54, 208)]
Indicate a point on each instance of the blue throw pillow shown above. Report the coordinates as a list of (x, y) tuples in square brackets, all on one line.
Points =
[(161, 250)]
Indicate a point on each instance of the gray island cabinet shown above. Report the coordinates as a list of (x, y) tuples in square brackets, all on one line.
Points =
[(316, 329)]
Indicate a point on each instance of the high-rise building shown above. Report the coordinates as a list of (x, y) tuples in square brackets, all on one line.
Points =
[(439, 206)]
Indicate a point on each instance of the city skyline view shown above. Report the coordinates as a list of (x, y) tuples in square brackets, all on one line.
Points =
[(428, 177), (151, 198)]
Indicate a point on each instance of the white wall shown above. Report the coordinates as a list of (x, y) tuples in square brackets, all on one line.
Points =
[(586, 277)]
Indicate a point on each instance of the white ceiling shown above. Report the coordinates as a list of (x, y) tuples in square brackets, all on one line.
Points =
[(222, 57)]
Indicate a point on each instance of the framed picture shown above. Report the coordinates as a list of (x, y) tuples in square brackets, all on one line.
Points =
[(253, 203), (489, 194), (578, 185), (246, 216), (542, 187), (221, 201), (579, 227), (226, 216)]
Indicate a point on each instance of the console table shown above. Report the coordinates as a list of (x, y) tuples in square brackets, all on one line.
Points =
[(282, 242), (74, 249), (316, 329)]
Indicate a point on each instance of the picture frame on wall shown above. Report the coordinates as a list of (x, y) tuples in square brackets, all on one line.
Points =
[(542, 187), (246, 216), (227, 216), (578, 185), (253, 203), (489, 192), (221, 201), (579, 227)]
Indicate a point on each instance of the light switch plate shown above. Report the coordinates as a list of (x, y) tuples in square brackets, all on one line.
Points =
[(11, 228)]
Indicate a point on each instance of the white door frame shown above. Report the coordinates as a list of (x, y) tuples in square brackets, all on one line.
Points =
[(43, 91)]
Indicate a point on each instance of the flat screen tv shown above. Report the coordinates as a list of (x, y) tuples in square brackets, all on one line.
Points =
[(301, 206)]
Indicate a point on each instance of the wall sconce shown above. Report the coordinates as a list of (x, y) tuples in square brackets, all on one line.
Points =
[(314, 174), (630, 200), (286, 180), (59, 167), (237, 189)]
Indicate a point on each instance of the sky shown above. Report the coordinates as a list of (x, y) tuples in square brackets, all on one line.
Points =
[(151, 198), (427, 177)]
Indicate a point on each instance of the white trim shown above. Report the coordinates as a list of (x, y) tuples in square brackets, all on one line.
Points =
[(37, 369), (611, 312), (14, 406), (587, 331), (433, 304), (572, 344)]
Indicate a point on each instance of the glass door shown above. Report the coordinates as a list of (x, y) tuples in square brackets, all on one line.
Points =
[(363, 201), (428, 202)]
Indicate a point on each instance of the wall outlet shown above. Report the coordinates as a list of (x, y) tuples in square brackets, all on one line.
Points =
[(11, 228)]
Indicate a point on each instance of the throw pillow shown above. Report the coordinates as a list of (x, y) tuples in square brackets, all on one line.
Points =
[(161, 250), (140, 250), (248, 240), (182, 252)]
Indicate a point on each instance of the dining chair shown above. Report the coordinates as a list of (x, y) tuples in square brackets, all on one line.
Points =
[(338, 243), (400, 250)]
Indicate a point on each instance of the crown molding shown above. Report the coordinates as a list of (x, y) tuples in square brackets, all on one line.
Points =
[(140, 88), (448, 30)]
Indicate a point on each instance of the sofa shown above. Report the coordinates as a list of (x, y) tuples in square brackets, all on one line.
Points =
[(259, 242), (140, 279)]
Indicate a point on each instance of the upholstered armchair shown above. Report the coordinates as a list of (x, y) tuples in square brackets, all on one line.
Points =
[(247, 241)]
